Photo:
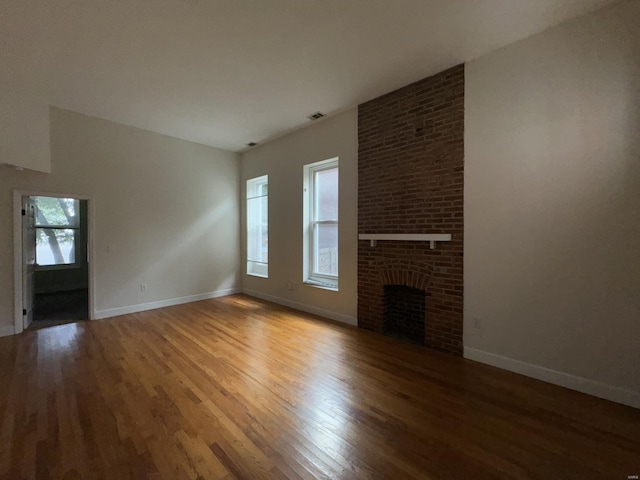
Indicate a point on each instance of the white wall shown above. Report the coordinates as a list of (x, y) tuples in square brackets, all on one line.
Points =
[(552, 205), (24, 132), (167, 207), (283, 160)]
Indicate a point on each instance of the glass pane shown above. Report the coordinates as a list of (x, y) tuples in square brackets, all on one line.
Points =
[(62, 212), (326, 246), (264, 210), (257, 187), (258, 229), (326, 190), (55, 246)]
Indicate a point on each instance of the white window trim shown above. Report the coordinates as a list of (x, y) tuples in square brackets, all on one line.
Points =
[(261, 269), (328, 282)]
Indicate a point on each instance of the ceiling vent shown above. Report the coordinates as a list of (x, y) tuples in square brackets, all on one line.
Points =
[(316, 116), (251, 144)]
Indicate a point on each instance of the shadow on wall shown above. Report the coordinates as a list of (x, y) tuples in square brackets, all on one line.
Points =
[(203, 231), (576, 242)]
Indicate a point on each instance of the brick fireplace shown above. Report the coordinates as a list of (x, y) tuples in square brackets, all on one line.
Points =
[(410, 181)]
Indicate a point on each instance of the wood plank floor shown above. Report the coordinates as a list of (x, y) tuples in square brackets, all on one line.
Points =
[(239, 388)]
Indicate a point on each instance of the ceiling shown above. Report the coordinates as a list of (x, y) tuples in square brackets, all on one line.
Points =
[(226, 72)]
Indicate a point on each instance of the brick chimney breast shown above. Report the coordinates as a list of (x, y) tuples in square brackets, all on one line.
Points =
[(410, 180)]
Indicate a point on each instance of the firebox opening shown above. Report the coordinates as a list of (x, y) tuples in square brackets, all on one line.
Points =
[(404, 313)]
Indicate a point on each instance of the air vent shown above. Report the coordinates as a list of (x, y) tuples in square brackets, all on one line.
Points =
[(251, 144), (316, 116)]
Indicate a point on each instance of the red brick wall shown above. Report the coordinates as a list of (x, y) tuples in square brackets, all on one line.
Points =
[(410, 180)]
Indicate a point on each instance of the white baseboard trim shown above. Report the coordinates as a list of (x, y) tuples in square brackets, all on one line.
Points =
[(573, 382), (6, 331), (338, 317), (141, 307)]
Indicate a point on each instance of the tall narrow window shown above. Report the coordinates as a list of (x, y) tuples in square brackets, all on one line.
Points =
[(258, 226), (57, 232), (321, 223)]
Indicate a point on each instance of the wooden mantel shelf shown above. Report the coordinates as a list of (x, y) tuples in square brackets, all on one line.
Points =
[(432, 238)]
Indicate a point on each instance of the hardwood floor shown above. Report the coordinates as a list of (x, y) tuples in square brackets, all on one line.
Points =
[(239, 388)]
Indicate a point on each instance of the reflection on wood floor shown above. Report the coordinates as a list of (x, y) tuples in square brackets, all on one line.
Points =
[(240, 388)]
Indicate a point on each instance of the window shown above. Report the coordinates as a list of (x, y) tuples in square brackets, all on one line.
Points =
[(57, 231), (258, 226), (321, 223)]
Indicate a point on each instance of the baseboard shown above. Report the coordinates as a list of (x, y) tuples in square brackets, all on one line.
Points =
[(338, 317), (141, 307), (6, 331), (581, 384)]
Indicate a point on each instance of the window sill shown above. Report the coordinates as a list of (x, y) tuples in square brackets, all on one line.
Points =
[(257, 275), (44, 268), (323, 286)]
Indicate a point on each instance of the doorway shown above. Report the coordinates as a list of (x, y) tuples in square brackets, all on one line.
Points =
[(53, 276)]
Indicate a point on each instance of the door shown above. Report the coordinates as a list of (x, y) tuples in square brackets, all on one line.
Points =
[(28, 258)]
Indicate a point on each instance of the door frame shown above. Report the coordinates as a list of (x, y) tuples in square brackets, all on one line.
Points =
[(17, 250)]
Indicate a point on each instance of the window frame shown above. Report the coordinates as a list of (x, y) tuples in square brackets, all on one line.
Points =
[(77, 239), (310, 276), (256, 267)]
